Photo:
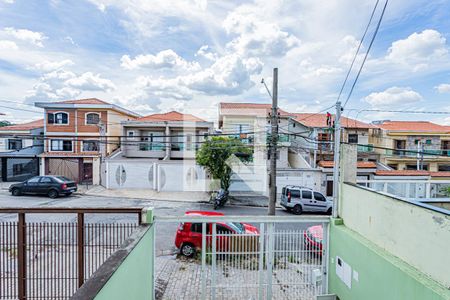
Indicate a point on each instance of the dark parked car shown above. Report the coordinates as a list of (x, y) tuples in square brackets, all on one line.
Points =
[(52, 186)]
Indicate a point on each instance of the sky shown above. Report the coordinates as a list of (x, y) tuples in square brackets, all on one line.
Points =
[(161, 55)]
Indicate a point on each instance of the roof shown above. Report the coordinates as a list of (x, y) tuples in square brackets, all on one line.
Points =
[(85, 103), (360, 164), (416, 126), (171, 116), (24, 126), (401, 173), (440, 174), (240, 108), (320, 121)]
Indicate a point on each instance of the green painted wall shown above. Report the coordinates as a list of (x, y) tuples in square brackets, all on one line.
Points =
[(134, 278), (381, 275)]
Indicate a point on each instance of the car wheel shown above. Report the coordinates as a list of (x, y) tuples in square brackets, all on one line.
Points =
[(297, 209), (52, 194), (16, 192), (188, 250)]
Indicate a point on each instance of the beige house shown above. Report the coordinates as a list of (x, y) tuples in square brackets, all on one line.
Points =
[(406, 140)]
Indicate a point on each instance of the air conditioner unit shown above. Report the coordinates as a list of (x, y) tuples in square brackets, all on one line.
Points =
[(326, 297)]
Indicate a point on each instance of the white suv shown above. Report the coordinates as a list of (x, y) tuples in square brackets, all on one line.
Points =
[(299, 199)]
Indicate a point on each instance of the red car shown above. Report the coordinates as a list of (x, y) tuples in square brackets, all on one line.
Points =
[(189, 235), (313, 237)]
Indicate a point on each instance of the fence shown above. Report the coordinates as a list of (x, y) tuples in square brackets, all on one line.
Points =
[(249, 258), (51, 260), (410, 189)]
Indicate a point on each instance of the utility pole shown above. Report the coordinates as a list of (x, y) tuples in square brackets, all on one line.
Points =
[(273, 145), (337, 158), (102, 142), (420, 149)]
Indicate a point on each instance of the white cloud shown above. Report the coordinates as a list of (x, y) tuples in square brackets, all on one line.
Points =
[(256, 35), (166, 59), (8, 1), (443, 88), (91, 82), (48, 66), (419, 50), (8, 45), (205, 52), (33, 37), (393, 96)]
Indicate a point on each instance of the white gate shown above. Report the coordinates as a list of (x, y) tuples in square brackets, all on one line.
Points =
[(273, 258)]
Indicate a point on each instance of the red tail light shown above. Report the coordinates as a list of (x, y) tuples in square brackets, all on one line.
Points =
[(63, 186), (289, 196)]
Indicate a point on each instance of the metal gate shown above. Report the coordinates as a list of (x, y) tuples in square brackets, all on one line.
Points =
[(285, 258), (64, 167), (18, 168)]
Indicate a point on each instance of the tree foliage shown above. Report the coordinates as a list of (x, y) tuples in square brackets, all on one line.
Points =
[(219, 153), (5, 123)]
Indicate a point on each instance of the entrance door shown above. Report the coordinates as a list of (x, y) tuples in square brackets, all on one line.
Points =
[(87, 172)]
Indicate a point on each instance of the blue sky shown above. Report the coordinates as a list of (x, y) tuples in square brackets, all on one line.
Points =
[(160, 55)]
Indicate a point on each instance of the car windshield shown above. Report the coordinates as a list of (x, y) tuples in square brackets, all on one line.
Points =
[(238, 227)]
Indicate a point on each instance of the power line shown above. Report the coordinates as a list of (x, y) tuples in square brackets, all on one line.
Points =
[(357, 50), (367, 53)]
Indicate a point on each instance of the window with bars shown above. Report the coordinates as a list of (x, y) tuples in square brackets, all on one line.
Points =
[(92, 118)]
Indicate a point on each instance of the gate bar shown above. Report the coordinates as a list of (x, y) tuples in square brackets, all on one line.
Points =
[(80, 245), (22, 257)]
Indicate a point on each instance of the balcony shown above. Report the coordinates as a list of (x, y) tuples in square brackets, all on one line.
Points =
[(150, 146), (413, 152), (365, 149)]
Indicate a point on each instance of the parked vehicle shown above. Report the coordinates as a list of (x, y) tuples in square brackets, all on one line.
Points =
[(313, 237), (221, 198), (300, 199), (52, 186), (189, 235)]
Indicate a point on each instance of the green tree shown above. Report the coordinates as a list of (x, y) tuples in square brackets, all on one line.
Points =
[(219, 153), (5, 123)]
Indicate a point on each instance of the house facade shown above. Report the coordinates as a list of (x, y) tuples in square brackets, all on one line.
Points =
[(319, 129), (158, 152), (409, 139), (20, 146), (78, 135)]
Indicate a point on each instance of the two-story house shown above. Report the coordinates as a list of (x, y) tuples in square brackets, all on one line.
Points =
[(412, 144), (158, 152), (78, 135), (20, 146)]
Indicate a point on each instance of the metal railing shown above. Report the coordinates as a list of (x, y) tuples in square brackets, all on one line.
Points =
[(282, 259), (410, 189), (50, 260), (413, 152)]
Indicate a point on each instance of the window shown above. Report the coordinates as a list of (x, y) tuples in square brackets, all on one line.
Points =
[(92, 118), (90, 146), (58, 118), (353, 138), (131, 133), (46, 180), (319, 197), (34, 179), (223, 229), (295, 193), (60, 145), (306, 194), (196, 227), (14, 144)]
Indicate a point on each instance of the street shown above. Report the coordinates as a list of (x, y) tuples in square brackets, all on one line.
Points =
[(165, 233)]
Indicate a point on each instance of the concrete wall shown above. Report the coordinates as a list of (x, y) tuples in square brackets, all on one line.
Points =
[(313, 179), (134, 277), (418, 236), (375, 273)]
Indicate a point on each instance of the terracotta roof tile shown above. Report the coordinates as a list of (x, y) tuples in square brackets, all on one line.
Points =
[(24, 126), (320, 121), (402, 173), (440, 174), (170, 116), (417, 126), (84, 101), (360, 164), (244, 108)]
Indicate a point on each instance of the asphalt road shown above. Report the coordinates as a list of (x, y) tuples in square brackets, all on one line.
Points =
[(165, 232)]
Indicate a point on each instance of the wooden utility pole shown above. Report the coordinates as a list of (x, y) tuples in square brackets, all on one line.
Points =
[(337, 158), (273, 145)]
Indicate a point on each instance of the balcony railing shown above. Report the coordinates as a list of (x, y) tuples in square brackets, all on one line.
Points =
[(150, 146), (365, 148), (413, 152)]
